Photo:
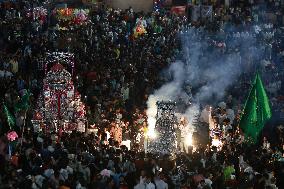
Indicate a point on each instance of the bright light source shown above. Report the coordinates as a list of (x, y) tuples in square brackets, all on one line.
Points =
[(188, 139), (217, 143), (151, 128), (151, 134), (151, 123)]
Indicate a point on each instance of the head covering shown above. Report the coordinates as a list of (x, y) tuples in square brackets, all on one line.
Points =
[(39, 139), (50, 148), (48, 173)]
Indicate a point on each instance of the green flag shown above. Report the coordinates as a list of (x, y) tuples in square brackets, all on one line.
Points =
[(10, 118), (256, 111), (228, 171)]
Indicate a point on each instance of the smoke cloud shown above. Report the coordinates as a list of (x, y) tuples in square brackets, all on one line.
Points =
[(209, 65)]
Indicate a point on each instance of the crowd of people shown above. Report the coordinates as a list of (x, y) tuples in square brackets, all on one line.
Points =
[(115, 72)]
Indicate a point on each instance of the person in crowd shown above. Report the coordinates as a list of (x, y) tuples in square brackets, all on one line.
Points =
[(118, 54)]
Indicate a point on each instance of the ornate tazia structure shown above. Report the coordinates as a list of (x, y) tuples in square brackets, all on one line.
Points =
[(165, 141), (59, 107)]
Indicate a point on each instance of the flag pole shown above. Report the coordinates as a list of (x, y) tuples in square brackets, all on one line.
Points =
[(23, 130)]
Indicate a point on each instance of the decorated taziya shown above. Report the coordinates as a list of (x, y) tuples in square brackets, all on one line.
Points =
[(12, 136), (63, 58), (140, 27), (81, 16), (59, 106), (74, 16), (164, 140), (37, 13)]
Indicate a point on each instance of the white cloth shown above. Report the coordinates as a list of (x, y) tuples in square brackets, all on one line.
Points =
[(6, 65), (69, 169), (48, 173), (140, 186), (160, 184), (50, 149), (38, 182), (108, 135), (39, 139), (79, 186), (273, 186), (266, 145), (248, 170), (63, 174), (142, 180), (7, 74), (208, 182), (150, 186), (126, 143), (1, 73), (227, 3)]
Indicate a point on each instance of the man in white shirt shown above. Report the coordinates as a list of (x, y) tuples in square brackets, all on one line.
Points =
[(160, 184), (1, 73), (7, 74), (146, 184), (208, 180), (149, 184), (140, 186)]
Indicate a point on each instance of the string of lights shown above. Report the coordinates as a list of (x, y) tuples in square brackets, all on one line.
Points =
[(165, 140)]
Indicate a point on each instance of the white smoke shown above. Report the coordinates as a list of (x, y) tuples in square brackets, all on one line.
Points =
[(167, 92), (206, 68)]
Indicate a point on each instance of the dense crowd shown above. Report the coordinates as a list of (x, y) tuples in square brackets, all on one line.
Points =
[(116, 71)]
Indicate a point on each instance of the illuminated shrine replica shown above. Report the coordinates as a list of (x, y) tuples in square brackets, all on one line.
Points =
[(165, 141), (59, 107)]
